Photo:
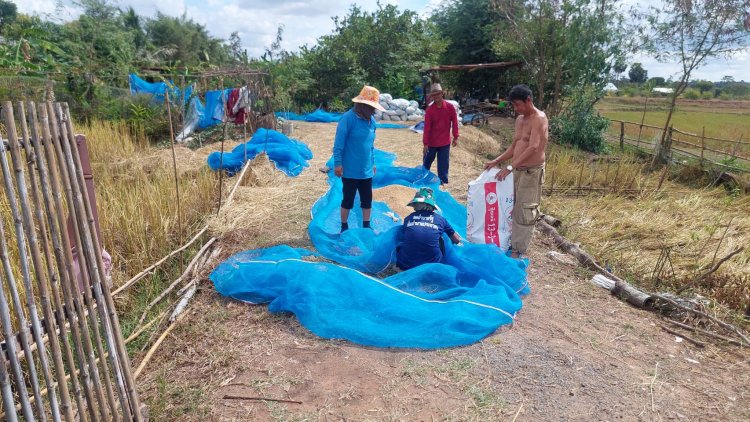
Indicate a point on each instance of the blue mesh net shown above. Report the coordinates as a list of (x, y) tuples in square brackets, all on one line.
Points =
[(288, 155), (460, 301), (430, 306), (213, 111), (158, 89), (322, 116)]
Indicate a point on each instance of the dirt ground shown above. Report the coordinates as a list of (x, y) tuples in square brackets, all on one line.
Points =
[(573, 353)]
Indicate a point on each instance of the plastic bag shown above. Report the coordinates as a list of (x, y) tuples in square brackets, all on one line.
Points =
[(489, 209)]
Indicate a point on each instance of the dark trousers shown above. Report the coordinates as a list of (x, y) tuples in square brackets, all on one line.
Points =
[(443, 158), (351, 187)]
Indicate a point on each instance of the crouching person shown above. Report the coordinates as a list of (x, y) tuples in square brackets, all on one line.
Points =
[(422, 233)]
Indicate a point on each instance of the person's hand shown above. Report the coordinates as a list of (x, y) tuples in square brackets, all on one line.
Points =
[(502, 174), (425, 150), (455, 141), (490, 164), (374, 170), (338, 171)]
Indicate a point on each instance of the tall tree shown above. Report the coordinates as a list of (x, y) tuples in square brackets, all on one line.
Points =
[(186, 42), (690, 32), (469, 27), (568, 45), (637, 73)]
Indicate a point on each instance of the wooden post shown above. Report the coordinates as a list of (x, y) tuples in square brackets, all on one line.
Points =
[(221, 157), (622, 136), (703, 144), (176, 181), (580, 177)]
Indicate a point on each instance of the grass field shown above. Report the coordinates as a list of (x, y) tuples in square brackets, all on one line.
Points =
[(719, 119)]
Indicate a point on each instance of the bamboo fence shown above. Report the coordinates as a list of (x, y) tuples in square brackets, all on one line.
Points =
[(728, 154), (63, 355)]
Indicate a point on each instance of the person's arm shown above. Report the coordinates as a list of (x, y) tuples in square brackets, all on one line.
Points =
[(339, 144), (372, 150), (427, 128), (455, 238)]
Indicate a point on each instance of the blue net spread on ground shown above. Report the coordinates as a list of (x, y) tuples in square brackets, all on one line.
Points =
[(460, 301), (158, 89), (430, 306), (322, 116), (288, 155)]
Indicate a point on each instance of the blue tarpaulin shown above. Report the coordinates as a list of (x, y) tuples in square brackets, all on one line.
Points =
[(158, 90), (322, 116)]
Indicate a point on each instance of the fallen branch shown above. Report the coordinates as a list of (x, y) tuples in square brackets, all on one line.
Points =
[(708, 333), (144, 328), (691, 340), (621, 288), (188, 271), (182, 305), (228, 397), (713, 269), (153, 349), (722, 324), (148, 270)]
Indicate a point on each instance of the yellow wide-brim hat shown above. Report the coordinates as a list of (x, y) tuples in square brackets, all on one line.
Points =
[(370, 96)]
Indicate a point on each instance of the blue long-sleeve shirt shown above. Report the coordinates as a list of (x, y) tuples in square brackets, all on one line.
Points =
[(354, 147)]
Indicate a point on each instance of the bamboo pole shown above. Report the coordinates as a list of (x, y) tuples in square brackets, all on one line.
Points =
[(87, 265), (101, 384), (148, 270), (622, 136), (181, 278), (51, 227), (580, 176), (176, 179), (223, 136), (39, 271), (8, 401), (36, 328), (124, 374), (63, 254)]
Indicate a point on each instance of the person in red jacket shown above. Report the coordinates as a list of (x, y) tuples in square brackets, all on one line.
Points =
[(440, 121)]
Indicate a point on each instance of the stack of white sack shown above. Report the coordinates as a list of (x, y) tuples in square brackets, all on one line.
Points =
[(398, 110)]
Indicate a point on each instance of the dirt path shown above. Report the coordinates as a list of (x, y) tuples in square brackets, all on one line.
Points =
[(574, 352)]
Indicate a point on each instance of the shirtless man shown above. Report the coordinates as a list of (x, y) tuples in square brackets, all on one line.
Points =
[(527, 164)]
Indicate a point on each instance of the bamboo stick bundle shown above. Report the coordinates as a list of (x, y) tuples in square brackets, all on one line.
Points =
[(36, 261), (44, 209), (64, 257), (120, 358), (7, 392), (36, 329), (74, 196)]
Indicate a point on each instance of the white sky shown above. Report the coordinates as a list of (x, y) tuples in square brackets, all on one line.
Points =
[(304, 21)]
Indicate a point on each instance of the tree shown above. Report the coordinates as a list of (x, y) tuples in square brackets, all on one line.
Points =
[(8, 13), (703, 86), (469, 46), (187, 43), (385, 48), (637, 73), (691, 32), (568, 46), (656, 81), (236, 52)]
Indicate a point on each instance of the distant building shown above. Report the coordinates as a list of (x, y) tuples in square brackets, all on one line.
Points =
[(610, 88), (663, 90)]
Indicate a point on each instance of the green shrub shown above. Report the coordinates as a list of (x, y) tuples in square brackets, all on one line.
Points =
[(336, 105), (707, 95), (308, 108), (692, 94), (142, 115), (580, 126)]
